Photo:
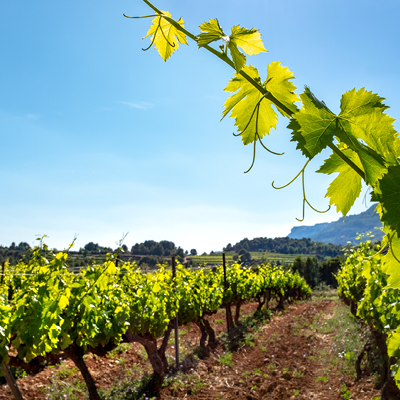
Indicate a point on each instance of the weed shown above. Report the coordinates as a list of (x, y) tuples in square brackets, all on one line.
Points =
[(61, 390), (226, 359), (347, 342), (64, 371), (295, 392), (219, 321), (344, 392), (245, 374), (119, 350), (257, 371), (322, 379), (271, 367), (274, 337), (264, 349), (298, 373)]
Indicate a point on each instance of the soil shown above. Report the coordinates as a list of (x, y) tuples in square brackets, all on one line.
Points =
[(284, 363)]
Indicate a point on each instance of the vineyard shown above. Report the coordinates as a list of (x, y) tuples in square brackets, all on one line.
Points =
[(49, 312), (46, 309)]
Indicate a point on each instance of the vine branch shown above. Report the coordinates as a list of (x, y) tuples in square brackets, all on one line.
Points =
[(223, 56)]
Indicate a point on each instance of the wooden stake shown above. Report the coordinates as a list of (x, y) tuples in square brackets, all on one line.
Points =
[(228, 327), (2, 272), (176, 320), (11, 381)]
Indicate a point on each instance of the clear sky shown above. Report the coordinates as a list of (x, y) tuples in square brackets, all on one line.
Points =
[(100, 138)]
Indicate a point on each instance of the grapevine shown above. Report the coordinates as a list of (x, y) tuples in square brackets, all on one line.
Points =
[(46, 309), (365, 148)]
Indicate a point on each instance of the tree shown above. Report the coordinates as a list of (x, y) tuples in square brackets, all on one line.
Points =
[(193, 252), (92, 247), (245, 256)]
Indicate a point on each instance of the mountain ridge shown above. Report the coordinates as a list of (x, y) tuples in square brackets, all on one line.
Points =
[(344, 230)]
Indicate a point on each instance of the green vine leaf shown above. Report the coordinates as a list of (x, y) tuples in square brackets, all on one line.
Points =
[(387, 192), (238, 58), (165, 36), (249, 40), (390, 265), (211, 31), (279, 84), (314, 126), (361, 125), (243, 103), (346, 187), (363, 117)]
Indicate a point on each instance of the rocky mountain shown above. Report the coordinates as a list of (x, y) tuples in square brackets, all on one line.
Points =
[(343, 230)]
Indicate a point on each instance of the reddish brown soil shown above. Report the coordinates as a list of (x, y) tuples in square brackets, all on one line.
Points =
[(252, 376)]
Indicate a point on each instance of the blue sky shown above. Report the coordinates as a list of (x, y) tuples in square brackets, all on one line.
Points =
[(100, 138)]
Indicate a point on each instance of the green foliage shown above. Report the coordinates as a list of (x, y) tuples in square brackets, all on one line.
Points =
[(338, 191), (226, 359), (165, 36)]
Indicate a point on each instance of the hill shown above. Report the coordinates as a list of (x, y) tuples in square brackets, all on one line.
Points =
[(343, 230)]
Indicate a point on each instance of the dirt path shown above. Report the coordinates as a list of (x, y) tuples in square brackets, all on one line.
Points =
[(286, 359), (285, 363)]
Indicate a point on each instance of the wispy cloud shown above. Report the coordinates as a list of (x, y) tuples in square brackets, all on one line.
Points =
[(32, 116), (141, 105)]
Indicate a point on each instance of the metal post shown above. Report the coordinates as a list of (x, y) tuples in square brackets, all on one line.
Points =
[(176, 319), (225, 287)]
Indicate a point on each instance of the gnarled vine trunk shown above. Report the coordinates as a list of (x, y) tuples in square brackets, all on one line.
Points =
[(237, 311), (203, 338), (149, 342), (75, 353)]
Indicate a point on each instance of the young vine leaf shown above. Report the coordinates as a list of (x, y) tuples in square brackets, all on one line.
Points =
[(346, 187), (165, 36), (249, 40), (387, 192), (279, 83), (211, 31), (245, 98)]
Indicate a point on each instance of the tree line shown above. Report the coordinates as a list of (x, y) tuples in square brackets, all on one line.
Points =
[(286, 245)]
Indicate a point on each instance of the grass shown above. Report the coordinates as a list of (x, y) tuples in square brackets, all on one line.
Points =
[(348, 338), (61, 389), (130, 389), (226, 359), (122, 348)]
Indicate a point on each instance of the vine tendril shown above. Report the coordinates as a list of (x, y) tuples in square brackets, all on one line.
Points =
[(281, 187), (155, 33), (252, 115), (306, 201), (154, 36), (378, 252), (256, 135), (262, 144), (144, 16), (254, 154), (159, 24)]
